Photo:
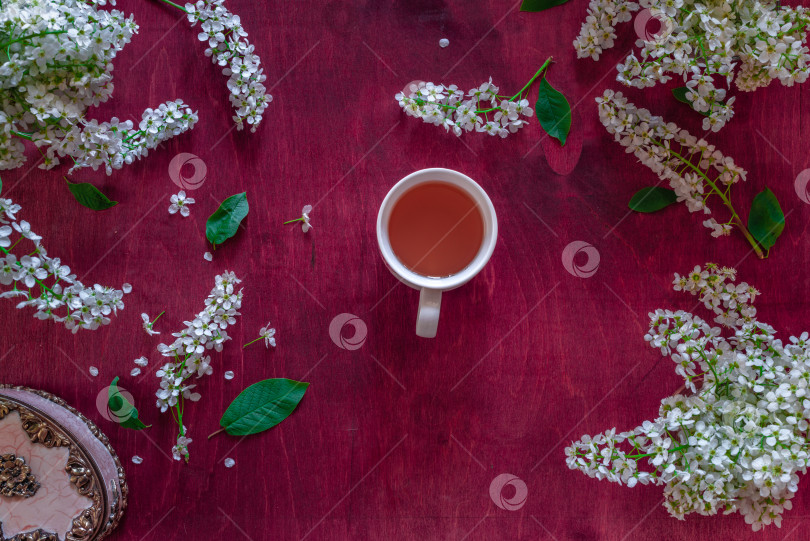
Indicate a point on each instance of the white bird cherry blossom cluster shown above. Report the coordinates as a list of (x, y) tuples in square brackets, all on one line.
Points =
[(738, 440), (114, 144), (205, 332), (703, 43), (57, 62), (228, 47), (694, 169), (481, 109), (44, 284)]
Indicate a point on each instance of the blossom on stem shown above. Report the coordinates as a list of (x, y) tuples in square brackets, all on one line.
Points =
[(694, 169), (737, 441), (304, 219), (148, 323), (114, 144), (58, 62), (228, 47), (205, 332), (705, 45), (267, 334), (43, 283), (482, 109)]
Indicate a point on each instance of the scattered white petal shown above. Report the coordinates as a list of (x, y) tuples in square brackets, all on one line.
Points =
[(126, 288), (93, 371), (135, 372), (444, 42), (136, 459), (229, 375), (208, 256), (142, 361), (230, 463)]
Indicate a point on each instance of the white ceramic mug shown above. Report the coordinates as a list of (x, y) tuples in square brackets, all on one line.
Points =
[(430, 296)]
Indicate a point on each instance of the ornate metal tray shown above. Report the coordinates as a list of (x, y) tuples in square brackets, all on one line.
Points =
[(59, 478)]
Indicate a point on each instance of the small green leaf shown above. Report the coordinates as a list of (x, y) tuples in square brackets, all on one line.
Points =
[(540, 5), (263, 405), (121, 410), (224, 222), (553, 111), (680, 95), (651, 199), (766, 221), (88, 195), (1, 185)]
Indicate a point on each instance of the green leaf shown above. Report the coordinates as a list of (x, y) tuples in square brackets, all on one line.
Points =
[(224, 223), (651, 199), (88, 195), (766, 221), (680, 95), (1, 185), (261, 406), (553, 111), (540, 5), (121, 410)]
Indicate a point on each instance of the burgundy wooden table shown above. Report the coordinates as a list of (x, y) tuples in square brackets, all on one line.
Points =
[(401, 438)]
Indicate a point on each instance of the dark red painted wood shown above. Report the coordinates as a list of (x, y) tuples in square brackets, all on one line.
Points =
[(387, 444)]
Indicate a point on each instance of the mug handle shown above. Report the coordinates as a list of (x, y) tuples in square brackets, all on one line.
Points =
[(427, 318)]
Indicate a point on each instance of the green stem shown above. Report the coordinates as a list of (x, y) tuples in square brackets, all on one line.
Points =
[(253, 342), (291, 221), (181, 8), (16, 242), (720, 193), (545, 65), (22, 135), (673, 450), (536, 75), (29, 36)]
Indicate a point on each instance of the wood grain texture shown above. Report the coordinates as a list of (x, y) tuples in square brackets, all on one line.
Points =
[(387, 444)]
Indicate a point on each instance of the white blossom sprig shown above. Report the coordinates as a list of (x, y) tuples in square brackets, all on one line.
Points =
[(266, 333), (738, 441), (304, 219), (149, 323), (44, 284), (205, 332), (694, 169), (229, 48), (481, 109), (115, 143), (706, 44), (58, 61)]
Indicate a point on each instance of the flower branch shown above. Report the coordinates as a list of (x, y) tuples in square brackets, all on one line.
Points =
[(694, 169), (43, 283), (738, 441), (451, 108)]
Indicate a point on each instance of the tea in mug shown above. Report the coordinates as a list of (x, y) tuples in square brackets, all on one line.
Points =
[(436, 229)]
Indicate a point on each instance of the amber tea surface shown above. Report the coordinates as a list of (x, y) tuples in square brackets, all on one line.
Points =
[(436, 229)]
